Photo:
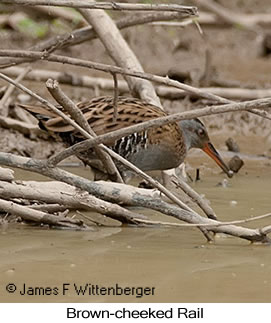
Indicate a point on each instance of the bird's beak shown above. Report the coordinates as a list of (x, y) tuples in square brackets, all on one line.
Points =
[(210, 150)]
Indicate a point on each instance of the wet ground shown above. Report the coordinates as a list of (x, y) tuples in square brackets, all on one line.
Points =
[(177, 262)]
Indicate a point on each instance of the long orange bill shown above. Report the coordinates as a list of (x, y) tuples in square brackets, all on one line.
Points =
[(210, 150)]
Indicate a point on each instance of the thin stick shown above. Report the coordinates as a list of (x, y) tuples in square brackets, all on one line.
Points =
[(39, 75), (116, 93), (105, 5), (78, 116), (195, 197), (260, 217), (112, 69), (10, 89)]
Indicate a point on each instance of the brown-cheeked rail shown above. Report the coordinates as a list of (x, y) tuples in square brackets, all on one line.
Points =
[(157, 148)]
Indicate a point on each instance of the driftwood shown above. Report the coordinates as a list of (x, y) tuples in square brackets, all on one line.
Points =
[(65, 195), (120, 193), (38, 216), (106, 5), (211, 18), (108, 137)]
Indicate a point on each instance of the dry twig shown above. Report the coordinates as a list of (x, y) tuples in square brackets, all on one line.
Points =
[(105, 5), (112, 69), (11, 87), (78, 117), (231, 93)]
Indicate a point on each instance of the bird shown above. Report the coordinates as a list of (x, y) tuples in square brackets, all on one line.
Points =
[(157, 148)]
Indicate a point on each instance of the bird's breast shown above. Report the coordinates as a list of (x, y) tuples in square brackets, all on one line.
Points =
[(154, 149)]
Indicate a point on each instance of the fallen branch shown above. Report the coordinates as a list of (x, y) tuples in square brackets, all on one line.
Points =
[(109, 192), (49, 208), (105, 5), (195, 197), (112, 69), (66, 195), (29, 214), (170, 224), (213, 19), (10, 89), (117, 70), (74, 79)]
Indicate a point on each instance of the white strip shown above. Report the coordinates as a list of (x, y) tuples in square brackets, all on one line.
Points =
[(133, 312)]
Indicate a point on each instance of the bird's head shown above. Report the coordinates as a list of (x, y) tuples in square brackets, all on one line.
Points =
[(196, 136)]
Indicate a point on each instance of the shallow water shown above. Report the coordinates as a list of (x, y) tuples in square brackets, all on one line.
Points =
[(177, 262)]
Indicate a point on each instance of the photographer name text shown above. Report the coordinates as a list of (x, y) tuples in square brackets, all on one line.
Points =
[(86, 289)]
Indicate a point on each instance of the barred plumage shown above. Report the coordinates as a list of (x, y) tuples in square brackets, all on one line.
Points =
[(157, 148)]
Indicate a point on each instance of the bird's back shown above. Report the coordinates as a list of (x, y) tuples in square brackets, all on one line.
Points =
[(156, 148)]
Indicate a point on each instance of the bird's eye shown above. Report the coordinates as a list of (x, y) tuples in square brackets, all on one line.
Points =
[(201, 132)]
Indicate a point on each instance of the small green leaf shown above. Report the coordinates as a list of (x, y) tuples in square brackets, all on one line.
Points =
[(33, 29)]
